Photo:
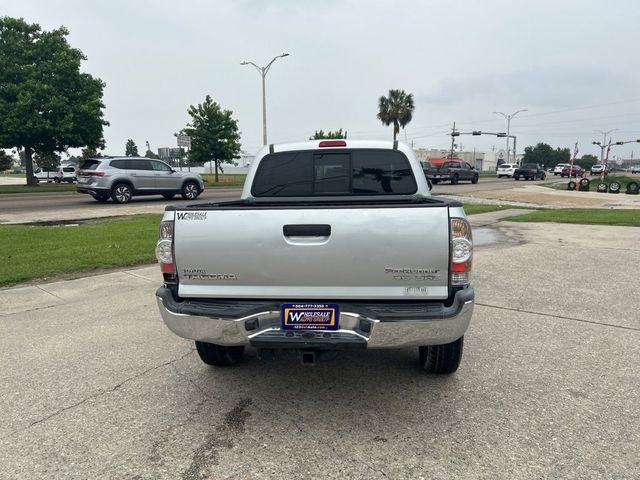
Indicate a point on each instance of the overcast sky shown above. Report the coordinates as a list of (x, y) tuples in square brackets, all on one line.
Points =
[(572, 64)]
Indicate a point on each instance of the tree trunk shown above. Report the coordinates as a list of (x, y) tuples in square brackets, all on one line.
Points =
[(28, 163), (396, 130), (216, 171)]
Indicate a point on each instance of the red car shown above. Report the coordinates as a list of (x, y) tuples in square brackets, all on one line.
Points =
[(575, 171)]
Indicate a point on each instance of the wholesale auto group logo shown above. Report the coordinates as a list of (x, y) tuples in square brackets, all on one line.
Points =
[(192, 215)]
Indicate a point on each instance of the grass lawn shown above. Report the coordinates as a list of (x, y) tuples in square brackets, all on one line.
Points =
[(46, 252), (38, 252), (40, 188), (223, 180), (586, 216)]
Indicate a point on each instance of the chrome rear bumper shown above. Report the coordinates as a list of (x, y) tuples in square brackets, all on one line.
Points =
[(361, 325)]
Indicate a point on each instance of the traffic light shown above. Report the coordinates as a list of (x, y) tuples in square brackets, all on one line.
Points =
[(502, 134), (455, 134), (476, 132)]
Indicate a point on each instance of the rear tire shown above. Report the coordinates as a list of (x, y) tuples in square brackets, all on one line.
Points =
[(441, 359), (218, 355), (121, 193), (474, 180), (190, 191)]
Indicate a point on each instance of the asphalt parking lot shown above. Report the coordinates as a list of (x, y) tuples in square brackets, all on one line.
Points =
[(94, 385)]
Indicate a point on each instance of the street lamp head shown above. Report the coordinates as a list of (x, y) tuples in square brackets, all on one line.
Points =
[(244, 63), (284, 55)]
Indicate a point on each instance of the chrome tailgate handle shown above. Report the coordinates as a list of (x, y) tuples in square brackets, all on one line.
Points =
[(306, 230)]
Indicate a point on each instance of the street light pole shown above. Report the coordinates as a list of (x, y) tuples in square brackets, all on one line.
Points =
[(604, 141), (263, 73), (509, 117)]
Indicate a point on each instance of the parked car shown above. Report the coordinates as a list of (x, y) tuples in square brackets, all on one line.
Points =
[(597, 169), (506, 170), (121, 178), (635, 169), (529, 171), (558, 168), (572, 171), (452, 171)]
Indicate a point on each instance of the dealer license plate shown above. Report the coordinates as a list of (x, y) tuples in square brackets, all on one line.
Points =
[(310, 316)]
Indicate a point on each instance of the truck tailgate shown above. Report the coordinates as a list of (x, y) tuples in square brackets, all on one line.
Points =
[(373, 253)]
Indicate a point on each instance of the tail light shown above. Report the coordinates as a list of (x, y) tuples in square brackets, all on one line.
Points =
[(92, 174), (461, 252), (165, 252)]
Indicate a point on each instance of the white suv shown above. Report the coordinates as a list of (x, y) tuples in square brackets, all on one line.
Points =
[(506, 170), (559, 167)]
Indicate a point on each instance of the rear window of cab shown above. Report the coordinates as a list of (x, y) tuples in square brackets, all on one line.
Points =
[(334, 172)]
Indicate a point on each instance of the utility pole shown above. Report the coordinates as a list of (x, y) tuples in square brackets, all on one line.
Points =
[(454, 133)]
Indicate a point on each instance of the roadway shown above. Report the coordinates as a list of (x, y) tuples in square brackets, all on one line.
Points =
[(60, 201)]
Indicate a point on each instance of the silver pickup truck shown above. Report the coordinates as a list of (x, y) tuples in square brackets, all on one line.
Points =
[(334, 245)]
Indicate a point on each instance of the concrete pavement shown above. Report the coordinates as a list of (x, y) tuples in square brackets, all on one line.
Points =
[(94, 385)]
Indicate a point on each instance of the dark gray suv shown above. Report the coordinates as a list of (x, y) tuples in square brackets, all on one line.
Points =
[(121, 178)]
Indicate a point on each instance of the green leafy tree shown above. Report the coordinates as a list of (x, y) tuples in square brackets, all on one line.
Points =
[(47, 160), (214, 135), (46, 103), (90, 152), (587, 161), (131, 149), (396, 109), (320, 135), (6, 161), (544, 155), (150, 154), (561, 155), (541, 154)]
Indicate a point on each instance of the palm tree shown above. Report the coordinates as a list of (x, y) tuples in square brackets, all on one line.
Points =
[(397, 108)]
